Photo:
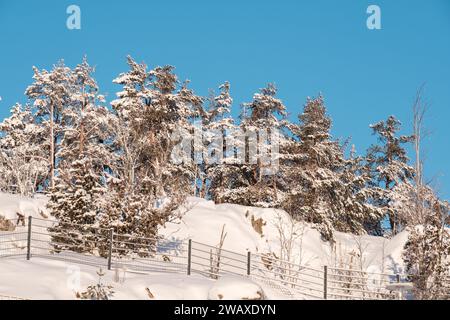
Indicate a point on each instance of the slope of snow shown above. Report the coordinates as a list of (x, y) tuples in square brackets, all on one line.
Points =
[(50, 279), (232, 288), (259, 230), (203, 220), (11, 204)]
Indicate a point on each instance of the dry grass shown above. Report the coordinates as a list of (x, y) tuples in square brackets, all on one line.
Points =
[(6, 225)]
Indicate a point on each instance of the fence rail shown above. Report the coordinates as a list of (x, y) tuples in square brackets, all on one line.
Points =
[(8, 297), (33, 237)]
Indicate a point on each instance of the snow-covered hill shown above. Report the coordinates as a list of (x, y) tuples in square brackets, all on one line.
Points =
[(259, 230), (265, 230), (11, 205), (56, 280)]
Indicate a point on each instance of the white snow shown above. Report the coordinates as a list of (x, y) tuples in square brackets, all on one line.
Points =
[(232, 288), (202, 221), (11, 204), (50, 279)]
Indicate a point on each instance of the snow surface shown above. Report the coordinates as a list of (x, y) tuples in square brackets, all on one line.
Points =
[(11, 204), (202, 221), (232, 288), (41, 279)]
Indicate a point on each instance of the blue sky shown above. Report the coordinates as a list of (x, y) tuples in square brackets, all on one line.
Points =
[(305, 47)]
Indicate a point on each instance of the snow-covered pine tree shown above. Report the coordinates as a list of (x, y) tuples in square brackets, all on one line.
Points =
[(325, 188), (51, 92), (387, 163), (355, 196), (317, 163), (74, 202), (128, 108), (86, 131), (127, 200), (255, 179), (23, 160), (171, 115), (150, 111), (427, 251), (220, 129), (77, 200)]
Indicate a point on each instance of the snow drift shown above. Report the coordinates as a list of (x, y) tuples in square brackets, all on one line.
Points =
[(259, 230), (11, 205), (270, 231)]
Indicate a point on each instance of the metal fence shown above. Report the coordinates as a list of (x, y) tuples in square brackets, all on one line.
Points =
[(35, 237), (6, 297)]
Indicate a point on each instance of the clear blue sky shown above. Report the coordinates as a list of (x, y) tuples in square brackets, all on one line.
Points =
[(305, 47)]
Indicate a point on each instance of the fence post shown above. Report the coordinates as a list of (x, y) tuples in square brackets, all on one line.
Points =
[(325, 276), (29, 238), (249, 254), (189, 257), (110, 248)]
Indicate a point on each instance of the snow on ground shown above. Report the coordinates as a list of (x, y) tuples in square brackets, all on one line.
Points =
[(232, 288), (55, 280), (11, 204), (203, 220), (260, 230)]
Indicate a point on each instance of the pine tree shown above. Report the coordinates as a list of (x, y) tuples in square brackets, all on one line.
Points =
[(427, 250), (23, 161), (74, 203), (315, 173), (151, 114), (77, 199), (388, 165), (148, 182), (51, 92), (325, 188), (86, 129), (357, 213), (253, 178), (219, 137)]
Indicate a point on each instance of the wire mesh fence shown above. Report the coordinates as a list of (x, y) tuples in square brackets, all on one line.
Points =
[(13, 237), (214, 261), (148, 254), (8, 297), (351, 284), (94, 246), (302, 280), (69, 247)]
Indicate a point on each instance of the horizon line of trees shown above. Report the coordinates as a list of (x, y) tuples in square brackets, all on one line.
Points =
[(110, 166), (65, 124)]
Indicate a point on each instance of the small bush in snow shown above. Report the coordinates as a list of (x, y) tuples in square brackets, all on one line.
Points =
[(98, 291)]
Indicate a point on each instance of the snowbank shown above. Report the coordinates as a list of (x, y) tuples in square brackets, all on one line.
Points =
[(259, 230), (40, 279), (233, 288), (11, 205), (263, 230)]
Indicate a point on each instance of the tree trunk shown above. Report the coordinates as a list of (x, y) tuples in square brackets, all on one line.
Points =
[(52, 148)]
